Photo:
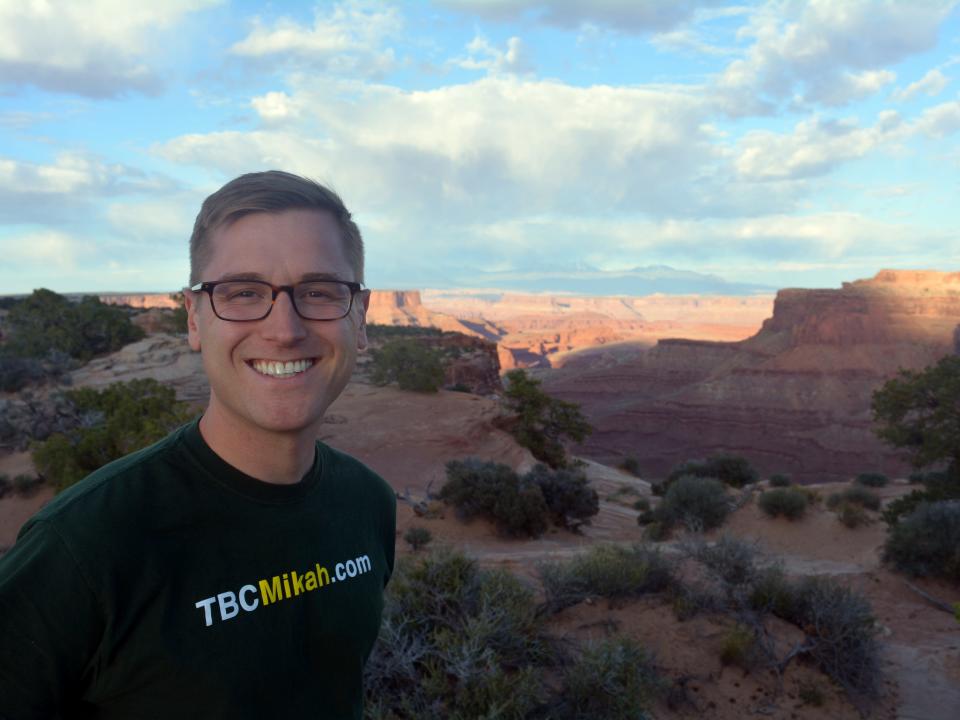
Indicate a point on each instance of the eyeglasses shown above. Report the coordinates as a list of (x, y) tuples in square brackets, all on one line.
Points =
[(248, 300)]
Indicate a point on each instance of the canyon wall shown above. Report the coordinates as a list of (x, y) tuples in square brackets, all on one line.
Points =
[(793, 398)]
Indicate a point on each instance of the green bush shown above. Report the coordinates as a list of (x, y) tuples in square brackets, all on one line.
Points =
[(118, 419), (790, 503), (542, 421), (476, 488), (779, 481), (642, 504), (697, 502), (417, 537), (176, 322), (854, 495), (394, 332), (608, 571), (409, 363), (631, 465), (613, 680), (569, 497), (872, 479), (927, 541), (457, 642), (731, 470), (46, 321), (25, 484), (937, 486), (739, 648), (852, 515)]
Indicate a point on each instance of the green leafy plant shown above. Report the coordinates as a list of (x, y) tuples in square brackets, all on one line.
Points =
[(854, 495), (790, 503), (46, 321), (631, 465), (409, 363), (697, 502), (779, 481), (875, 480), (569, 497), (417, 537), (542, 421), (117, 420), (927, 541), (739, 648)]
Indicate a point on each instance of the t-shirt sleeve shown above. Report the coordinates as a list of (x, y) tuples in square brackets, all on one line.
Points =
[(50, 625)]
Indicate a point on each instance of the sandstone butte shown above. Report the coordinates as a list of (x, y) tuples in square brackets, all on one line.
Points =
[(793, 398)]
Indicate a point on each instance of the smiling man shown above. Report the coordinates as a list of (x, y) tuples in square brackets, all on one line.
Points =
[(236, 568)]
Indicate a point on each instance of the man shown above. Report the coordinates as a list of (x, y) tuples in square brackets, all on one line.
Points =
[(236, 568)]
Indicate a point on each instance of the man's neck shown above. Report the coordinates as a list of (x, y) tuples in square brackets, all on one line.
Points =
[(279, 458)]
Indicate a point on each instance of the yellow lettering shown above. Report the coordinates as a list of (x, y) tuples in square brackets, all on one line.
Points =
[(323, 577), (270, 593), (286, 585), (311, 583)]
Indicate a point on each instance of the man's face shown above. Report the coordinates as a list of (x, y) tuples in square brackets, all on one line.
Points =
[(280, 248)]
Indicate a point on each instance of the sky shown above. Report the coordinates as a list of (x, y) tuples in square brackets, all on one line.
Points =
[(489, 143)]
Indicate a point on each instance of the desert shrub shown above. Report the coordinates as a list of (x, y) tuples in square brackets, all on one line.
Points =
[(872, 479), (739, 648), (810, 693), (841, 634), (176, 321), (614, 680), (790, 503), (5, 485), (698, 502), (117, 420), (852, 515), (47, 321), (542, 421), (459, 387), (731, 470), (411, 364), (610, 571), (854, 495), (492, 490), (927, 541), (25, 484), (642, 504), (569, 497), (394, 332), (937, 486), (779, 481), (772, 592), (631, 465), (417, 537), (457, 642)]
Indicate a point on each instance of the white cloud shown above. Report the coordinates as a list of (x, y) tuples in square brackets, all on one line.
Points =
[(484, 56), (931, 84), (42, 250), (276, 107), (348, 38), (97, 48), (814, 147), (939, 121), (826, 52), (631, 16)]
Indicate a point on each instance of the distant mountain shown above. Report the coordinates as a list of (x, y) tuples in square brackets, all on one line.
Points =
[(636, 281)]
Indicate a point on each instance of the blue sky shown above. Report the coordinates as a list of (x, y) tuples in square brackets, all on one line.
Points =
[(488, 142)]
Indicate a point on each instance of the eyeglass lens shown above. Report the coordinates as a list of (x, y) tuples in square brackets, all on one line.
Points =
[(251, 299)]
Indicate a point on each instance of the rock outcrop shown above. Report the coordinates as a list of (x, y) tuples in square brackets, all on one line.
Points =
[(793, 398)]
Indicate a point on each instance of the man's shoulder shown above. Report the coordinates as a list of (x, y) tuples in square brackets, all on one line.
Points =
[(105, 487), (350, 472)]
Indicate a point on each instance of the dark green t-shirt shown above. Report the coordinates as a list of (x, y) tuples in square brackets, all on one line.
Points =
[(169, 584)]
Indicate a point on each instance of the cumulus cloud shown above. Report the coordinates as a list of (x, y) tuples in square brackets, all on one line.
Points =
[(47, 249), (630, 16), (348, 39), (95, 48), (815, 147), (931, 84), (825, 52), (482, 55), (939, 121), (71, 184)]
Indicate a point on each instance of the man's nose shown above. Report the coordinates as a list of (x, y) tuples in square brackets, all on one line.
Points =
[(283, 324)]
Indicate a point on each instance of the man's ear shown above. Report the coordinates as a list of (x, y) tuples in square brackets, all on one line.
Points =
[(190, 302), (362, 324)]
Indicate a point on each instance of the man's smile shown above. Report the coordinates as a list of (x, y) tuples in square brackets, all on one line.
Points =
[(281, 368)]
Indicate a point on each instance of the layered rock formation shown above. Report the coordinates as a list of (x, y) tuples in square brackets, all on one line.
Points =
[(793, 398)]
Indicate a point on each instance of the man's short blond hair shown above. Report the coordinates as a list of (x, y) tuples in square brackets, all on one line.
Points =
[(270, 191)]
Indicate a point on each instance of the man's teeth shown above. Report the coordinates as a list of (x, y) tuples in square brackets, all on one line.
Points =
[(280, 369)]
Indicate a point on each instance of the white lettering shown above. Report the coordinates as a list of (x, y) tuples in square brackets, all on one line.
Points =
[(338, 570), (351, 568), (228, 605), (248, 606), (207, 615), (364, 563)]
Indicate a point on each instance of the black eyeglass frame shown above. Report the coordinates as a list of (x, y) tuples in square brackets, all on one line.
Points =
[(208, 288)]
